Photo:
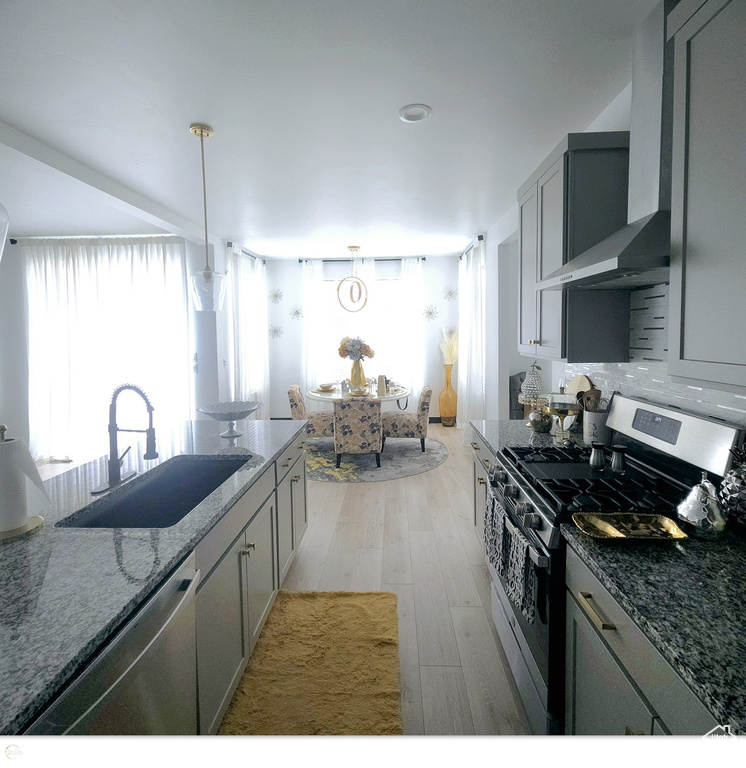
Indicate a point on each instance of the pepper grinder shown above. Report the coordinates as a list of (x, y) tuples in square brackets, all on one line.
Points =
[(617, 459), (597, 459)]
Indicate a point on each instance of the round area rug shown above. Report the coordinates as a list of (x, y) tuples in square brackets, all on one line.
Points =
[(401, 457)]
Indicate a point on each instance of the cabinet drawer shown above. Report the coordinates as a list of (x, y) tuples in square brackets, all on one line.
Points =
[(483, 454), (225, 531), (678, 707), (290, 456)]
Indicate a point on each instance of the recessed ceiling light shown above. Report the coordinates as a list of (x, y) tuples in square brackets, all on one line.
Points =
[(414, 113)]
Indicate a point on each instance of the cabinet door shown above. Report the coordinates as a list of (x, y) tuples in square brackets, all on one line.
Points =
[(527, 272), (600, 698), (285, 525), (300, 495), (260, 567), (550, 257), (708, 225), (481, 479), (222, 636)]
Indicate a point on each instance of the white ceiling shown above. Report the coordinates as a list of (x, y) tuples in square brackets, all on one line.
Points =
[(308, 155)]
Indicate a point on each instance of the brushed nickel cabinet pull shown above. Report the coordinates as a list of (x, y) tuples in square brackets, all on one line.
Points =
[(482, 481), (295, 478), (604, 625), (475, 446)]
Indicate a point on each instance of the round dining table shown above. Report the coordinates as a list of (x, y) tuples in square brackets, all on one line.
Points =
[(398, 394)]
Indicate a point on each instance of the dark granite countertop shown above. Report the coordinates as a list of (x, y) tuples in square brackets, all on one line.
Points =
[(65, 591), (688, 599)]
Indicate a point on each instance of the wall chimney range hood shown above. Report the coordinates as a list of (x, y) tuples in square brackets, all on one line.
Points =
[(638, 254)]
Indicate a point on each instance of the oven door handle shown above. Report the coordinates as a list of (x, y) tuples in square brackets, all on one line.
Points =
[(540, 561)]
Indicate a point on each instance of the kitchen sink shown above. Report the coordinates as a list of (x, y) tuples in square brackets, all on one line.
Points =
[(160, 497)]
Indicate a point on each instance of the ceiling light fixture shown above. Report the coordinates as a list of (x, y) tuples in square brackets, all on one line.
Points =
[(208, 286), (414, 113)]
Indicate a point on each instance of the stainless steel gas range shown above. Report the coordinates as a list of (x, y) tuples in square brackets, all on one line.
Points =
[(536, 488)]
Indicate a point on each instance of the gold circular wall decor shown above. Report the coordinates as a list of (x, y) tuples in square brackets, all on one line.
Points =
[(352, 293)]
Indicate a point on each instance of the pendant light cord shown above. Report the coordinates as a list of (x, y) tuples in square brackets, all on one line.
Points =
[(204, 200)]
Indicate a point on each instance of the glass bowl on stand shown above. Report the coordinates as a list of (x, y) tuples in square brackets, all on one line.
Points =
[(230, 412)]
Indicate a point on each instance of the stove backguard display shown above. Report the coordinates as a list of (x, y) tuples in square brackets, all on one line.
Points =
[(655, 425)]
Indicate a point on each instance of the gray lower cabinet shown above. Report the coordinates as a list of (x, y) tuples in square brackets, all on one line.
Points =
[(260, 568), (222, 635), (481, 460), (285, 525), (577, 197), (616, 681), (600, 698), (708, 225), (299, 495)]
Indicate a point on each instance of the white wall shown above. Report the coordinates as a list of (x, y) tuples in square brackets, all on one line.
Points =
[(285, 350)]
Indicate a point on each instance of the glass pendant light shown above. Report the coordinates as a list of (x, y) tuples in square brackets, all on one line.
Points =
[(208, 286)]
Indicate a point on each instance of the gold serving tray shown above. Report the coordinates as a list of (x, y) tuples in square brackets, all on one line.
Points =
[(628, 525)]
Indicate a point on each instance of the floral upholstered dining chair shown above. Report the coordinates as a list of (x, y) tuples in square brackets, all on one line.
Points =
[(402, 424), (319, 423), (357, 427)]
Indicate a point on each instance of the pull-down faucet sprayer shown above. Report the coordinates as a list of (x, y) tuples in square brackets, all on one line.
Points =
[(115, 460)]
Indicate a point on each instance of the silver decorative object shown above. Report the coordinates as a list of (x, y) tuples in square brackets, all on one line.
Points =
[(702, 510), (230, 412), (733, 488), (532, 384)]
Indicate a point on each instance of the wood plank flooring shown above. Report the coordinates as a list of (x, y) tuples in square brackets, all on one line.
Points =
[(415, 537)]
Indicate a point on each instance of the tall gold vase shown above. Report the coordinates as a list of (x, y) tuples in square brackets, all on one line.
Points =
[(448, 401), (357, 376)]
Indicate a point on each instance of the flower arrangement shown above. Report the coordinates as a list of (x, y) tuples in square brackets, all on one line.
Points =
[(449, 346), (355, 348)]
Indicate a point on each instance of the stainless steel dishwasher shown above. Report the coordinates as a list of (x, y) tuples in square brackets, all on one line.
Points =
[(145, 680)]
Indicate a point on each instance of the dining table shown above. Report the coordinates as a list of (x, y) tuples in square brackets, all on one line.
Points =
[(394, 394)]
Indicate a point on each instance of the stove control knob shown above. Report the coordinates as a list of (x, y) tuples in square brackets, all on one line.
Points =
[(501, 476), (532, 520), (511, 491)]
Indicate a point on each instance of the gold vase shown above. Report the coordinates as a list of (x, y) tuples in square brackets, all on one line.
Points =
[(447, 402), (357, 375)]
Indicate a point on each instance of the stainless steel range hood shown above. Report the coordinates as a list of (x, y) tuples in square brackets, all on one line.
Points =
[(638, 254), (634, 256)]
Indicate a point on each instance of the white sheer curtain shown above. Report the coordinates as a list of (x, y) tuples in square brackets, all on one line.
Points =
[(471, 326), (313, 323), (248, 328), (104, 312)]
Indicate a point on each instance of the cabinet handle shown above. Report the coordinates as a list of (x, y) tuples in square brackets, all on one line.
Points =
[(295, 478), (481, 481), (633, 731), (486, 463), (247, 550), (584, 599), (475, 446), (286, 464), (534, 341)]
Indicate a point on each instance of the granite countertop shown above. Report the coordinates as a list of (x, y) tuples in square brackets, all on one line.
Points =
[(65, 591), (688, 599), (503, 433)]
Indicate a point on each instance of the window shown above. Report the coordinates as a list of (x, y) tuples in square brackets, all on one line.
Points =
[(104, 312), (391, 321)]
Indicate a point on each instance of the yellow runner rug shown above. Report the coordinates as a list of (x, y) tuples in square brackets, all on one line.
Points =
[(325, 663)]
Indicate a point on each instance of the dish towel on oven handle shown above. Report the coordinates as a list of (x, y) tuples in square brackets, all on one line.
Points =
[(520, 577), (494, 532)]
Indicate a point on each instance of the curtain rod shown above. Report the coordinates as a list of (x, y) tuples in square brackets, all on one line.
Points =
[(338, 261), (245, 252), (477, 239)]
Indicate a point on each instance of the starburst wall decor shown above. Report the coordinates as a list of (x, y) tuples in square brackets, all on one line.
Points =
[(275, 331), (430, 312), (450, 294), (275, 296), (296, 313)]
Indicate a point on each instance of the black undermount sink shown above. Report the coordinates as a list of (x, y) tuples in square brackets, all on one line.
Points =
[(160, 497)]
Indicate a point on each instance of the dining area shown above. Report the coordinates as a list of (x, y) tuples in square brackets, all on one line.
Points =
[(350, 410)]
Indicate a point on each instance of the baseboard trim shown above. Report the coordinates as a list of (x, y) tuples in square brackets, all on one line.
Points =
[(434, 420)]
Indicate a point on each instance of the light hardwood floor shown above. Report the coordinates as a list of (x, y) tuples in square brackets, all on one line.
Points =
[(415, 537)]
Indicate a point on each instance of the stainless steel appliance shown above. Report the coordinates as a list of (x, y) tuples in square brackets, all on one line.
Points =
[(144, 682), (536, 489)]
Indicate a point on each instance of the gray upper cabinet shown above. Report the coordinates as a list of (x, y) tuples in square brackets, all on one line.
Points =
[(708, 203), (577, 197)]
